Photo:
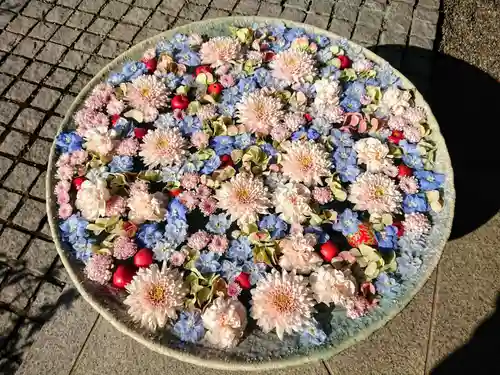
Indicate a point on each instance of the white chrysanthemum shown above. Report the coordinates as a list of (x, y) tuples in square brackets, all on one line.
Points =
[(415, 115), (243, 197), (291, 202), (408, 184), (282, 301), (91, 199), (297, 253), (375, 193), (372, 153), (416, 224), (220, 50), (163, 147), (260, 112), (225, 319), (394, 101), (305, 162), (144, 206), (326, 103), (330, 285), (147, 94), (207, 112), (293, 66), (99, 141), (155, 296)]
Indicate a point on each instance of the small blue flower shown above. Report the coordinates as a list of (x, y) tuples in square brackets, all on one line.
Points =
[(218, 224), (388, 238), (189, 327), (386, 76), (189, 125), (172, 80), (321, 235), (180, 42), (121, 164), (350, 104), (348, 173), (175, 234), (165, 121), (222, 144), (344, 156), (164, 46), (408, 265), (148, 235), (269, 149), (192, 164), (230, 270), (347, 222), (211, 165), (324, 55), (415, 203), (312, 335), (257, 271), (239, 249), (312, 134), (355, 90), (176, 210), (429, 180), (276, 227), (386, 286), (123, 127), (330, 71), (413, 161), (74, 227), (116, 78), (340, 138), (188, 58), (412, 245), (208, 262), (247, 85), (321, 40), (83, 248), (171, 174), (242, 141), (408, 148), (321, 125), (68, 142), (294, 33), (134, 69)]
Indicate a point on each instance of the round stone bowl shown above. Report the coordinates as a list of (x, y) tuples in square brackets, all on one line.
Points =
[(257, 351)]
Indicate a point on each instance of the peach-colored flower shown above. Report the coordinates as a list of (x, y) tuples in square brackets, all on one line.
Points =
[(91, 199), (372, 153), (124, 247), (408, 184), (190, 181), (330, 285), (412, 134), (147, 94), (327, 102), (225, 319), (297, 253), (116, 206), (199, 140), (293, 121), (98, 142), (322, 195), (207, 112), (291, 202), (280, 132), (99, 96), (88, 120), (65, 210), (144, 206), (115, 106), (260, 112), (177, 258), (305, 162), (220, 50), (293, 66), (416, 224), (207, 206), (199, 240), (163, 147), (188, 199), (218, 244), (128, 147), (226, 80)]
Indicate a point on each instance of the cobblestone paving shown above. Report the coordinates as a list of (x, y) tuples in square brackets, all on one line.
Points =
[(50, 49)]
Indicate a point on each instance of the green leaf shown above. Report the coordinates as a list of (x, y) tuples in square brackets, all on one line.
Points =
[(204, 295), (236, 155), (182, 90), (193, 107), (205, 78), (219, 128)]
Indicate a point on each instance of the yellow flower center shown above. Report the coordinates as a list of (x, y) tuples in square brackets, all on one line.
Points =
[(379, 192), (243, 195), (163, 143), (306, 162), (282, 302), (145, 91), (157, 294)]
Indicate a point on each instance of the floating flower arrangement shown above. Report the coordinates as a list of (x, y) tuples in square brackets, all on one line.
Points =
[(259, 176)]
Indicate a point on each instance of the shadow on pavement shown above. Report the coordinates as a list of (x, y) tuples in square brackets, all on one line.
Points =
[(464, 101)]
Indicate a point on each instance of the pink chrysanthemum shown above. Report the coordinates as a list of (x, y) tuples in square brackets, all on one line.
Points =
[(98, 268), (128, 147), (372, 153), (65, 210), (99, 97), (62, 197), (116, 206), (62, 187), (177, 258), (233, 289), (322, 195), (260, 112), (207, 206), (155, 296), (416, 224), (415, 115), (408, 184), (190, 181), (188, 199), (78, 157), (87, 120), (207, 112), (203, 191), (305, 162), (282, 301), (293, 121), (65, 172), (243, 197), (124, 247), (412, 134), (115, 106), (226, 80), (163, 147), (199, 140), (199, 240), (293, 66), (297, 253), (220, 50), (397, 123), (147, 94), (218, 244), (280, 132), (375, 193)]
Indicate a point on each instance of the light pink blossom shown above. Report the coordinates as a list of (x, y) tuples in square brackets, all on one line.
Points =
[(226, 80), (190, 181), (116, 206), (65, 211), (199, 140), (208, 206), (199, 240), (322, 195), (218, 244), (128, 147)]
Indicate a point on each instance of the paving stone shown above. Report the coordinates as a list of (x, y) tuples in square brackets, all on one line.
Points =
[(74, 60), (7, 111), (378, 5), (28, 47), (215, 13), (5, 80), (21, 177), (88, 42), (36, 9), (46, 231), (173, 7), (60, 273), (30, 215), (58, 15), (301, 4), (317, 20), (148, 33), (293, 14), (269, 10), (45, 301), (322, 6), (65, 36), (39, 189), (51, 53), (13, 65), (5, 18), (425, 43), (426, 14), (160, 21), (366, 34), (69, 3), (178, 22), (36, 72), (50, 127), (64, 105), (114, 10), (95, 64), (398, 17), (79, 20), (80, 82), (91, 6), (247, 7), (43, 30), (9, 202), (112, 48), (24, 338), (192, 12), (346, 12), (5, 164), (124, 32), (137, 16), (45, 98), (423, 29), (21, 91), (18, 288), (21, 25), (389, 37), (151, 4), (13, 5), (28, 120), (39, 256), (8, 321), (200, 2), (433, 4), (14, 143), (60, 78), (8, 41), (227, 4), (370, 18), (101, 26), (39, 152)]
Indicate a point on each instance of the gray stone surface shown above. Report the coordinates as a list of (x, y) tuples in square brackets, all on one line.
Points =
[(14, 143), (21, 177), (17, 289), (28, 119), (8, 201), (30, 215), (13, 241), (45, 301)]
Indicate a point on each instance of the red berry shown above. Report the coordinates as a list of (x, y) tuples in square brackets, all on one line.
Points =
[(123, 275), (140, 132), (77, 182), (401, 229), (180, 102), (143, 258), (243, 280), (130, 228), (404, 171), (226, 160), (268, 56), (174, 192), (308, 117), (114, 119), (203, 69), (329, 251), (150, 65), (396, 136), (215, 88), (344, 61)]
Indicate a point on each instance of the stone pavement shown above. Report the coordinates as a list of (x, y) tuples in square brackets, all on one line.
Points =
[(50, 49)]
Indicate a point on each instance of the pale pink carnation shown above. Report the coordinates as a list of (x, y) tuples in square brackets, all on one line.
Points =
[(327, 101), (124, 247), (293, 66), (389, 168), (65, 211), (408, 184), (101, 143), (199, 240), (163, 147), (219, 50), (412, 134), (416, 224), (371, 152), (115, 106), (207, 206), (199, 140), (226, 80), (207, 112), (203, 191), (144, 206), (99, 96), (116, 206), (280, 132), (78, 157), (322, 195), (218, 244), (177, 258), (260, 112), (147, 94), (62, 198), (330, 285), (397, 123), (293, 121), (225, 320), (64, 159), (305, 162), (188, 199), (98, 268), (128, 147), (297, 253), (233, 289), (87, 120), (65, 172), (190, 181)]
